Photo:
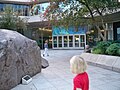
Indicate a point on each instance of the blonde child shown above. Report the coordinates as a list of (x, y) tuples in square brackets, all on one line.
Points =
[(78, 66)]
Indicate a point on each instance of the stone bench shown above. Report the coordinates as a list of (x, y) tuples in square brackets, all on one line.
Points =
[(104, 61)]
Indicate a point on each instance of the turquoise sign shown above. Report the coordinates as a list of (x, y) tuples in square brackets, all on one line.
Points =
[(70, 30)]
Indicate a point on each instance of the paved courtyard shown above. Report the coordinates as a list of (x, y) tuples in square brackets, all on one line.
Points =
[(58, 76)]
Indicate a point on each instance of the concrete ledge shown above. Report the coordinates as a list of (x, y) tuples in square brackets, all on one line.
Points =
[(103, 61), (116, 66)]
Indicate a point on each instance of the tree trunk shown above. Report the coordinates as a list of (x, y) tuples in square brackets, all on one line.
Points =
[(104, 28), (100, 35)]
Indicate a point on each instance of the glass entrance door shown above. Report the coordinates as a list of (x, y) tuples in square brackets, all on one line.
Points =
[(118, 33), (70, 41), (82, 40), (76, 40), (55, 41), (59, 41), (65, 41)]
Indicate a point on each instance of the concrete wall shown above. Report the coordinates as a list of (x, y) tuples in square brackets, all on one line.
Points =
[(104, 61)]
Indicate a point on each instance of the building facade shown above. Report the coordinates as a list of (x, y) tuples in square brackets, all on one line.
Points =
[(18, 9), (59, 38), (69, 38)]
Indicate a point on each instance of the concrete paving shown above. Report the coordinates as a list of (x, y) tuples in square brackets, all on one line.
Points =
[(58, 76)]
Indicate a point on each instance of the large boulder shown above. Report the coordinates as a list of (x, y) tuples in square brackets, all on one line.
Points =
[(19, 56)]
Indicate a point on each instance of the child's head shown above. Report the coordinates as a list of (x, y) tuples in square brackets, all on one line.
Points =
[(78, 65), (46, 41)]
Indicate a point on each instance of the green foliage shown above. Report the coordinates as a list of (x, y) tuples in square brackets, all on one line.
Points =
[(113, 49), (77, 12), (116, 41), (11, 21), (118, 51), (82, 13), (97, 51), (7, 19), (101, 47), (108, 47)]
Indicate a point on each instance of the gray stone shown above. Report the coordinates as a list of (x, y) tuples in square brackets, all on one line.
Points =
[(103, 61), (90, 58), (18, 56), (94, 58), (106, 61), (45, 63), (116, 66), (85, 56)]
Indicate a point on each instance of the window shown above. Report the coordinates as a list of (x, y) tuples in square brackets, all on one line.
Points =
[(55, 41), (70, 41), (76, 40), (60, 41), (82, 40), (65, 41), (118, 33)]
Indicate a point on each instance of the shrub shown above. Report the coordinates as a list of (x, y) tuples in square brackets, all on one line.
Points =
[(113, 49), (101, 47), (114, 41), (97, 51), (118, 52)]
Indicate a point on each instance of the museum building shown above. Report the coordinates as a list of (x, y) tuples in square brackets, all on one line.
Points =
[(58, 37)]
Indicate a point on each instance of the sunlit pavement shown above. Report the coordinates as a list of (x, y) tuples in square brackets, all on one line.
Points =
[(58, 76)]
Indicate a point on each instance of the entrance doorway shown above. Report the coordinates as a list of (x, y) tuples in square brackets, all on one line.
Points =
[(42, 40), (45, 34), (41, 35), (77, 41)]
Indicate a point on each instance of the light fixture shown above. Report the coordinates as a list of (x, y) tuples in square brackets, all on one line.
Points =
[(92, 31), (102, 30)]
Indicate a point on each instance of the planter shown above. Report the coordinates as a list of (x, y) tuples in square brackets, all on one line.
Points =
[(104, 61)]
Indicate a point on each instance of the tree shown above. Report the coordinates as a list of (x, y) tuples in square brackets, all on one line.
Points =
[(77, 12), (10, 20)]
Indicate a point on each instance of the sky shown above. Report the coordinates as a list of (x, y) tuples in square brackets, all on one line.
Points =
[(44, 5)]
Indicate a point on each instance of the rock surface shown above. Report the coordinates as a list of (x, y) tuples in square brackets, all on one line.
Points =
[(19, 56), (45, 63)]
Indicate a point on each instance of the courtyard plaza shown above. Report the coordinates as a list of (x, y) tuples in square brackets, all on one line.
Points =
[(59, 77)]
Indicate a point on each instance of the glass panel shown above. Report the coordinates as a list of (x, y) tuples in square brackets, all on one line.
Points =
[(82, 39), (60, 41), (76, 40), (65, 41), (54, 41), (82, 44), (17, 9), (70, 41), (118, 33), (1, 8)]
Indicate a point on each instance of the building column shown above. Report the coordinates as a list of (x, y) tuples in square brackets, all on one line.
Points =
[(110, 31)]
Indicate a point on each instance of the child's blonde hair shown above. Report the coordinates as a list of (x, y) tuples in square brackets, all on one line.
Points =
[(78, 64)]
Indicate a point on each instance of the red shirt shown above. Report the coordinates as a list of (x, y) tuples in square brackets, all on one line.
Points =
[(81, 81)]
